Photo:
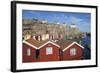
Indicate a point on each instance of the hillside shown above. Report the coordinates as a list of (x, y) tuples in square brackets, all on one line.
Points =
[(37, 27)]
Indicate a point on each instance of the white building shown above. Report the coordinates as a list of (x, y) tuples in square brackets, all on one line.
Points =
[(73, 26)]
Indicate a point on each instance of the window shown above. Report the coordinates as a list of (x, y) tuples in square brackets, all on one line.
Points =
[(28, 52), (48, 50), (73, 51)]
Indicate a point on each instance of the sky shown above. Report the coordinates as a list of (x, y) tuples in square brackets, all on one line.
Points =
[(82, 20)]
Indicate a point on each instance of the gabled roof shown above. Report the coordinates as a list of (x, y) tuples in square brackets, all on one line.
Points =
[(37, 44), (46, 42), (73, 44), (65, 44), (31, 42)]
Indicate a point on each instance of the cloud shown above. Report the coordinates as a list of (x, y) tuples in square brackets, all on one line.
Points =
[(75, 20), (60, 18), (34, 13), (84, 26), (81, 23)]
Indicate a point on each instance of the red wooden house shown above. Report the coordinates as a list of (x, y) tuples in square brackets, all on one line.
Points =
[(29, 50), (49, 51), (70, 50), (34, 51)]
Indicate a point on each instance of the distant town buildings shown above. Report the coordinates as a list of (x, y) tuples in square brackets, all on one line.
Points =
[(73, 26), (44, 21), (42, 30)]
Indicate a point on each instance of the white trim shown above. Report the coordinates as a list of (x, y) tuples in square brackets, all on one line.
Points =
[(41, 45), (47, 43), (30, 44), (72, 44)]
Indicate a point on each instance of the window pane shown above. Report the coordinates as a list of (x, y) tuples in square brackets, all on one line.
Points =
[(28, 52), (48, 50), (73, 51)]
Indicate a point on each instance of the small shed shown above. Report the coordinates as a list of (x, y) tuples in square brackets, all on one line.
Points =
[(70, 50), (49, 51), (29, 50)]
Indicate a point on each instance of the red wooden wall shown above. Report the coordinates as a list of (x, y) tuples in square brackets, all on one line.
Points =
[(52, 57), (78, 56)]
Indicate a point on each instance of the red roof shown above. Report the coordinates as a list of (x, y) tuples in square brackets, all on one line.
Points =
[(39, 44), (64, 43), (33, 42)]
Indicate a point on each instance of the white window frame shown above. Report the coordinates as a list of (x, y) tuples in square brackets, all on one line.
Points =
[(28, 52), (50, 51), (73, 51)]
